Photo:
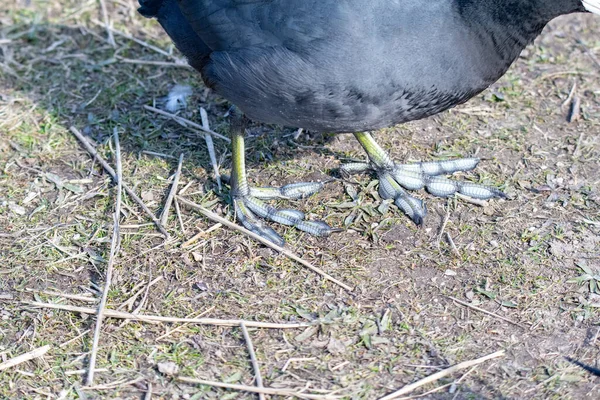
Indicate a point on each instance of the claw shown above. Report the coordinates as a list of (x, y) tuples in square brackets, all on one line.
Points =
[(253, 224), (390, 189)]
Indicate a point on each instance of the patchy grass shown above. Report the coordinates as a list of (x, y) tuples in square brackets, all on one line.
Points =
[(532, 259)]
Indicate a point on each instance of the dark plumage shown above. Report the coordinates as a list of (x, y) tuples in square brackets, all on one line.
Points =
[(351, 65), (355, 65)]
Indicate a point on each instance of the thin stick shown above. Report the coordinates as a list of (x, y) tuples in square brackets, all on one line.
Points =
[(187, 123), (578, 146), (138, 41), (179, 218), (254, 389), (110, 38), (114, 249), (477, 202), (94, 153), (159, 318), (30, 355), (211, 147), (257, 375), (571, 94), (152, 62), (178, 328), (444, 223), (441, 374), (452, 245), (64, 295), (486, 312), (210, 215), (165, 213)]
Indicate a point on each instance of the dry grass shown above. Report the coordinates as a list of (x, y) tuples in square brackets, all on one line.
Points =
[(533, 260)]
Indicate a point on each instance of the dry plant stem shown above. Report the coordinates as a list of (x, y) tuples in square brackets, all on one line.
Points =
[(444, 223), (159, 318), (178, 211), (165, 213), (114, 249), (110, 38), (155, 63), (211, 147), (441, 374), (113, 174), (477, 202), (486, 312), (257, 375), (253, 389), (210, 215), (187, 123), (138, 41), (30, 355)]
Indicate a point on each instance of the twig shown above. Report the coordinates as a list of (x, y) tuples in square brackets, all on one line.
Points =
[(82, 334), (153, 153), (152, 62), (139, 41), (110, 38), (571, 94), (148, 394), (441, 374), (477, 202), (257, 375), (254, 389), (159, 318), (169, 201), (486, 312), (578, 146), (210, 215), (211, 147), (187, 123), (444, 223), (114, 249), (179, 218), (452, 245), (65, 295), (178, 328), (116, 384), (434, 390), (30, 355), (94, 153)]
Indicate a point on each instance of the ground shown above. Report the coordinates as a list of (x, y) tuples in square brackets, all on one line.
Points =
[(522, 259)]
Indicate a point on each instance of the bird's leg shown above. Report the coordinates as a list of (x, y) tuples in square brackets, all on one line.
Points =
[(394, 178), (249, 208)]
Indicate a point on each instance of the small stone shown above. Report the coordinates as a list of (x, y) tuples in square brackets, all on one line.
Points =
[(168, 368)]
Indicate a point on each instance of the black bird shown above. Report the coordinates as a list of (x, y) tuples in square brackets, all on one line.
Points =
[(352, 66)]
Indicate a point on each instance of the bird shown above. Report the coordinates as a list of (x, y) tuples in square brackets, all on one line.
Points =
[(351, 66)]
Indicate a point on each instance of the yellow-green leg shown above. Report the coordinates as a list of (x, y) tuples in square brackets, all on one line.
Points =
[(248, 204)]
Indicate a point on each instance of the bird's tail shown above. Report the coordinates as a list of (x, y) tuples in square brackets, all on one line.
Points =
[(169, 15)]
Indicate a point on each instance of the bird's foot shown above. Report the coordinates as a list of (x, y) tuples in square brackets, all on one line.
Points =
[(250, 208), (395, 178)]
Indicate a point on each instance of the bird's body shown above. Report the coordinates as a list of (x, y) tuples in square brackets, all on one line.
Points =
[(355, 65)]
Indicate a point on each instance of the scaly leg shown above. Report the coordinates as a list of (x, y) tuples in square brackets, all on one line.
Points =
[(394, 178), (249, 207)]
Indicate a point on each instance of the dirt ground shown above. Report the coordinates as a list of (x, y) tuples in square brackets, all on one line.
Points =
[(531, 261)]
